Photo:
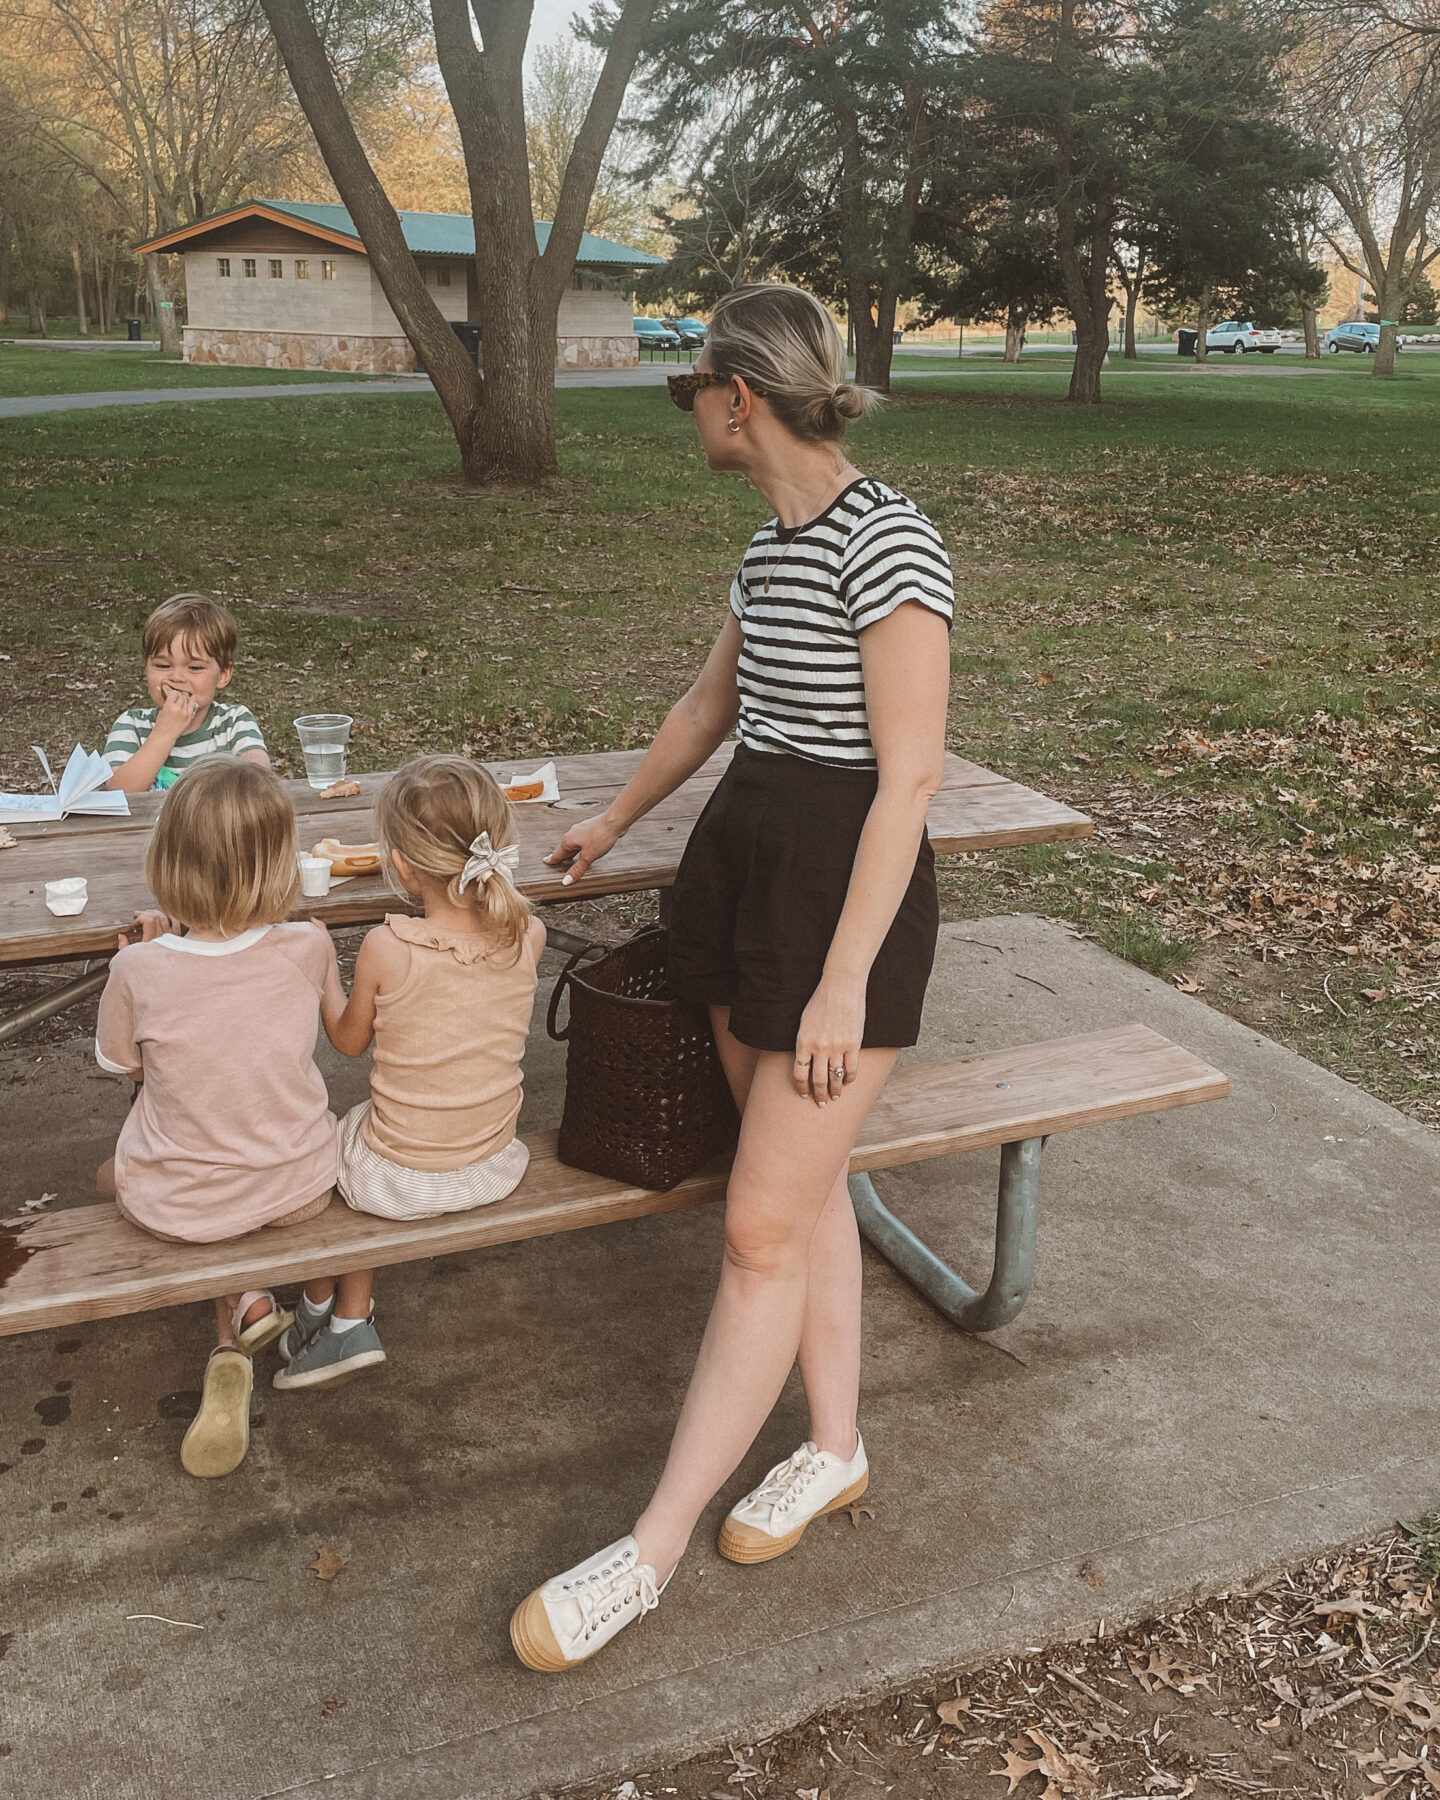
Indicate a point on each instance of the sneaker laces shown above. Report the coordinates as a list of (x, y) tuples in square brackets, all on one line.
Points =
[(787, 1481), (609, 1590)]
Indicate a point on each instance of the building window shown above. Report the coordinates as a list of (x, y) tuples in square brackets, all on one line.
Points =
[(302, 269), (327, 271), (277, 267), (222, 265), (248, 265), (442, 274)]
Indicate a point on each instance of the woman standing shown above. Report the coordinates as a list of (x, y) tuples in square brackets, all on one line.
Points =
[(804, 916)]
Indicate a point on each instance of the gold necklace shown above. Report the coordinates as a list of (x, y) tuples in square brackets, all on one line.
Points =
[(770, 575), (798, 529)]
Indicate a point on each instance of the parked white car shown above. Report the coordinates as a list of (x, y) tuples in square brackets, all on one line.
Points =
[(1237, 336)]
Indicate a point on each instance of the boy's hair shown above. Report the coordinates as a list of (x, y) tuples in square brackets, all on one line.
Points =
[(202, 624), (222, 857), (431, 811)]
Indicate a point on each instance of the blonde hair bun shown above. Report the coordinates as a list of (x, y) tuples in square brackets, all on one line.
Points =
[(784, 343)]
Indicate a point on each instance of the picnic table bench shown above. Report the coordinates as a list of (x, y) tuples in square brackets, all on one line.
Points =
[(87, 1262)]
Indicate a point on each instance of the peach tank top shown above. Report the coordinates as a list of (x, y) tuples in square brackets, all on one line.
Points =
[(445, 1085)]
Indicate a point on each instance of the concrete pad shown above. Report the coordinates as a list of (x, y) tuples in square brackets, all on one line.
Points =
[(1229, 1360)]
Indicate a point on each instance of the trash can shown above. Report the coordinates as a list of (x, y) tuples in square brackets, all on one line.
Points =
[(134, 330), (1185, 342), (469, 336), (899, 337)]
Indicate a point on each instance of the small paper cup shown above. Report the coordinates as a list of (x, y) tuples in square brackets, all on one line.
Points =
[(67, 897), (314, 876)]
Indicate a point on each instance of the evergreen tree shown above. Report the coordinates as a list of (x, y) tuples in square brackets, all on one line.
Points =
[(845, 98)]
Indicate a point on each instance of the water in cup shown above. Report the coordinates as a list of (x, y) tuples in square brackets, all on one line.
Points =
[(324, 763), (323, 739)]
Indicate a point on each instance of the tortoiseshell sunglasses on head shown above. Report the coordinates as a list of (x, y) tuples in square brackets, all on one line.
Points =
[(684, 388)]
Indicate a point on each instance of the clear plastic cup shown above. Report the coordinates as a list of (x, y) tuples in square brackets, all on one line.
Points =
[(323, 739)]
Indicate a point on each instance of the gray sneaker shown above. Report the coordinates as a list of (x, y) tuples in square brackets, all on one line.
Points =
[(303, 1329), (332, 1356)]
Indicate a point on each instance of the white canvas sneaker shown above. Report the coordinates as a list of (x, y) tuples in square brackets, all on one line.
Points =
[(578, 1613), (772, 1519)]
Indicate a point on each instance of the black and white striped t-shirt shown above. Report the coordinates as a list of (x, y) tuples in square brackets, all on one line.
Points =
[(802, 689)]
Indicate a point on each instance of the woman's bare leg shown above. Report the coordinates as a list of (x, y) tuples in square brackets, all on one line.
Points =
[(830, 1334), (791, 1158)]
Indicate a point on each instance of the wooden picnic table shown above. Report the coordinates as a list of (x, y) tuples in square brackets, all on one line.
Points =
[(975, 809)]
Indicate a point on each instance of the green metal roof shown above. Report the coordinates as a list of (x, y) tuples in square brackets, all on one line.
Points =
[(453, 234)]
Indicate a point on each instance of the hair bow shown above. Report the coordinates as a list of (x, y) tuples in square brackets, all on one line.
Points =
[(485, 861)]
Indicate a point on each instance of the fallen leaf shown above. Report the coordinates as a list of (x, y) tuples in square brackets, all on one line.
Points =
[(1044, 680), (853, 1512), (1187, 984), (1402, 1699), (1163, 1671), (330, 1706), (1065, 1771), (950, 1710), (1016, 1769), (1092, 1575), (28, 1206), (327, 1565)]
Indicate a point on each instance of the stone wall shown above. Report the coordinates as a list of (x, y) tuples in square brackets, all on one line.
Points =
[(597, 352), (352, 354), (358, 355)]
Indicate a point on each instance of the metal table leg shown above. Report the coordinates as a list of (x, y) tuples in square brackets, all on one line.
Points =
[(54, 1002), (1017, 1216)]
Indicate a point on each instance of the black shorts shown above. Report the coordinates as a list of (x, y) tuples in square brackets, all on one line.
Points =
[(759, 892)]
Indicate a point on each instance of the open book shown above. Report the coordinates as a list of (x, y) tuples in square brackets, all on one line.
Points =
[(77, 791)]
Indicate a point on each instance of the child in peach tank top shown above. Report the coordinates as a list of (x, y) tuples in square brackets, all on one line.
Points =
[(447, 999)]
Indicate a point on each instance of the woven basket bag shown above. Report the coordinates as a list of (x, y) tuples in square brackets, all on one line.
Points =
[(646, 1100)]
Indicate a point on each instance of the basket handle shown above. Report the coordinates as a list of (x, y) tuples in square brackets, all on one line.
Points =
[(585, 950)]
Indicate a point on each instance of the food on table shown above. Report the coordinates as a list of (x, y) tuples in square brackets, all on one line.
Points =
[(524, 790), (349, 859), (340, 790)]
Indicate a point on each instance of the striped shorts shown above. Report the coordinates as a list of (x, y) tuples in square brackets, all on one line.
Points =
[(371, 1183)]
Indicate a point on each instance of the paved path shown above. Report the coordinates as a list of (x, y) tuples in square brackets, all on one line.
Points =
[(645, 375), (1229, 1361)]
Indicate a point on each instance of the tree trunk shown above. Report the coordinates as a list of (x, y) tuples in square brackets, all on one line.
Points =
[(1132, 304), (80, 324), (1387, 306), (874, 323), (37, 311), (1202, 327), (504, 422), (162, 304), (1016, 318), (1312, 332), (4, 271)]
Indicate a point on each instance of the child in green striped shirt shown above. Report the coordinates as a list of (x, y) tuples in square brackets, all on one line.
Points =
[(189, 645)]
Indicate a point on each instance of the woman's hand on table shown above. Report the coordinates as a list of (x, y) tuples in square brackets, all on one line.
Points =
[(584, 844), (827, 1051), (148, 925)]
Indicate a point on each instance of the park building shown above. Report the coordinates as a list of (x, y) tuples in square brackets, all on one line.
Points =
[(287, 284)]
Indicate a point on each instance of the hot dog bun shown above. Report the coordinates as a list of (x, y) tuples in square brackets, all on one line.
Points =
[(350, 859)]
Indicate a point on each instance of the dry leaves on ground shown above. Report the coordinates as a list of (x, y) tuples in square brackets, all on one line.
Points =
[(327, 1565)]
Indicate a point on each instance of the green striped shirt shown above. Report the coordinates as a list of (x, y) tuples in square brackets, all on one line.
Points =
[(226, 730)]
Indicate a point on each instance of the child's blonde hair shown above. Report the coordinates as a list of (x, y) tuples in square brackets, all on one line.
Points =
[(432, 811), (222, 857), (200, 624)]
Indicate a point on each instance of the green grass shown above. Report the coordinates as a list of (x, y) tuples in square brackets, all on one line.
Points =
[(1204, 613), (26, 370)]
